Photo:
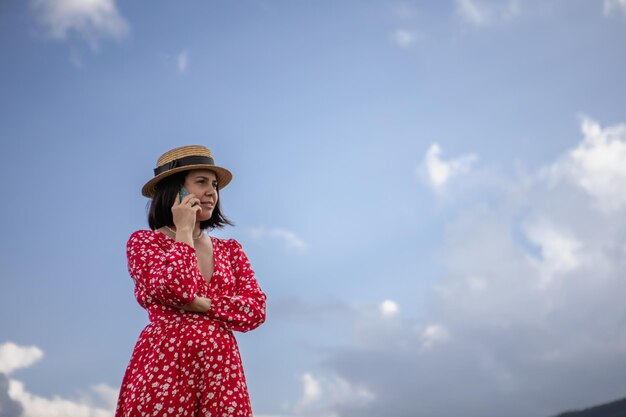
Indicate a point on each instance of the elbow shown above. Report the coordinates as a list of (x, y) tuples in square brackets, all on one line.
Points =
[(262, 315), (259, 318), (262, 309), (253, 320)]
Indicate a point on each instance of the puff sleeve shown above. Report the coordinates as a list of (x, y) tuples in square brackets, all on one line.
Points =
[(245, 309), (164, 276)]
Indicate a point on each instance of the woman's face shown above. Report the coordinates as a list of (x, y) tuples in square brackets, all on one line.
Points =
[(203, 184)]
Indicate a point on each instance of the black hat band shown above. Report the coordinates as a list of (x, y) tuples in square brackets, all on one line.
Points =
[(184, 161)]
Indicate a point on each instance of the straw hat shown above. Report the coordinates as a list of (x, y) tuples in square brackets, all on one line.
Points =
[(185, 158)]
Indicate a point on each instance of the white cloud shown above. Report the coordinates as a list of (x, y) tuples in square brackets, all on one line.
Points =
[(434, 334), (182, 61), (440, 172), (597, 165), (90, 19), (321, 395), (484, 12), (389, 308), (610, 6), (527, 316), (14, 357), (101, 395), (476, 283), (472, 12), (37, 406), (287, 237), (403, 38), (8, 406), (561, 252), (99, 401), (311, 390)]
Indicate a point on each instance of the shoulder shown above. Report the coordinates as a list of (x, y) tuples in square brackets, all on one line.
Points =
[(142, 234), (230, 244), (234, 245), (142, 237), (236, 251)]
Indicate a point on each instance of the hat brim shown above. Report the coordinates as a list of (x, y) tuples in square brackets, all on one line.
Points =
[(224, 176)]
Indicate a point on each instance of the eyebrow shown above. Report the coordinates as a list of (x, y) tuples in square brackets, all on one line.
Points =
[(203, 177)]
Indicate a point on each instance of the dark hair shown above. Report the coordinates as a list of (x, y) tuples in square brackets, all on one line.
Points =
[(166, 190)]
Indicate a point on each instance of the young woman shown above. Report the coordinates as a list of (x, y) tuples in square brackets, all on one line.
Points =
[(197, 290)]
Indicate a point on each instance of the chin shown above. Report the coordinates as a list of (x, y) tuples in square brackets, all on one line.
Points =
[(204, 217)]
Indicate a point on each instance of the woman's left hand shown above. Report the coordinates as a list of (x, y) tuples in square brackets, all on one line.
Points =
[(198, 305)]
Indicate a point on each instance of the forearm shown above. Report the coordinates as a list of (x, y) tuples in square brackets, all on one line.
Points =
[(172, 279), (198, 305), (242, 313)]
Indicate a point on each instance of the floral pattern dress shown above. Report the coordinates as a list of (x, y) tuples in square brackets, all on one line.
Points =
[(184, 363)]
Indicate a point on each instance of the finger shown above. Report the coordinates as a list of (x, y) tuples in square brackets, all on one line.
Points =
[(188, 198), (191, 199)]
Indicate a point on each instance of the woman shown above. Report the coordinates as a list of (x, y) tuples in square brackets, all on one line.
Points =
[(197, 290)]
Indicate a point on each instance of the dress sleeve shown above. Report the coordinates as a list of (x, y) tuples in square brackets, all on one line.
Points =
[(245, 309), (165, 276)]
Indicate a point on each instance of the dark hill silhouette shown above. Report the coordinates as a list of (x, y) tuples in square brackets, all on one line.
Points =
[(612, 409)]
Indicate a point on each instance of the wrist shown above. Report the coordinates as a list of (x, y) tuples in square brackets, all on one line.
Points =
[(207, 305)]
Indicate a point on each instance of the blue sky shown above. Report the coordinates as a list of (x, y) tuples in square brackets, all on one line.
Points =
[(429, 193)]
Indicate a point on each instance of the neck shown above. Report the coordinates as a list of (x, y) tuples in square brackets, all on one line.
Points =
[(196, 230)]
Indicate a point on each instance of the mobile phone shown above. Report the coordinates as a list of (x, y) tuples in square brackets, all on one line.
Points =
[(182, 193)]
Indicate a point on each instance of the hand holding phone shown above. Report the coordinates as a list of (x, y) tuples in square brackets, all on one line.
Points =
[(183, 215)]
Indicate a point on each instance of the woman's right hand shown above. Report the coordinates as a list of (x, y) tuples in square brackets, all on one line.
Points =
[(184, 213), (198, 305)]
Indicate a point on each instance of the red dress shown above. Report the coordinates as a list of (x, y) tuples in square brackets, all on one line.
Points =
[(188, 364)]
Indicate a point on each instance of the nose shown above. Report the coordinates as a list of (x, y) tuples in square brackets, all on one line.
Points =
[(211, 190)]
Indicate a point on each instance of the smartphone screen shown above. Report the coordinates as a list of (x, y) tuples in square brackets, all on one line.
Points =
[(182, 193)]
